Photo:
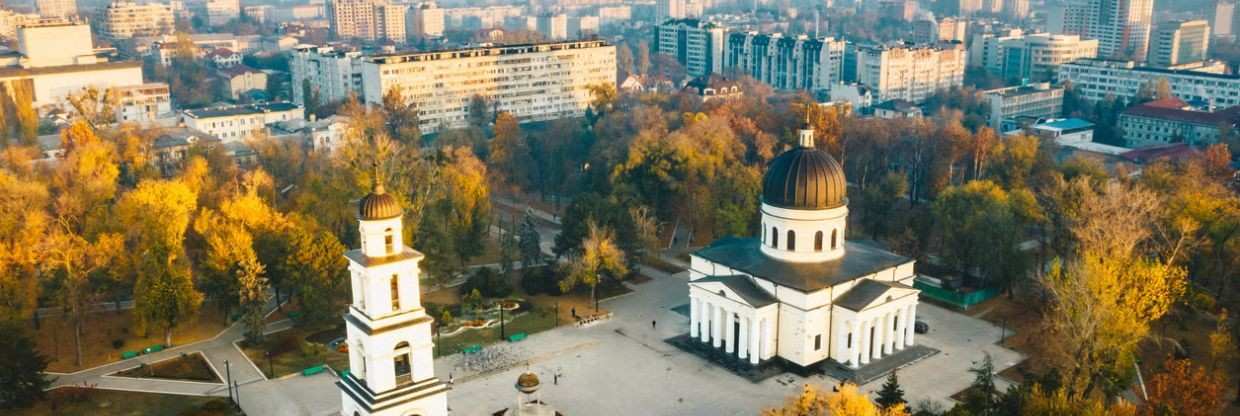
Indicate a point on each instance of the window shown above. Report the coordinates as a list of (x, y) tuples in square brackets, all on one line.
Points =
[(774, 237), (817, 342), (395, 288), (849, 340), (834, 235), (400, 363), (792, 241), (388, 244), (818, 241), (895, 323)]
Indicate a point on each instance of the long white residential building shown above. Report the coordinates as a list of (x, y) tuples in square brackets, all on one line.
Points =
[(534, 82), (1096, 79), (331, 74), (238, 123), (127, 19), (786, 62), (910, 73)]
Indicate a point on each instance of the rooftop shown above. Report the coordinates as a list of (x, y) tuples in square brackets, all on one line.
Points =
[(1174, 109), (745, 255), (241, 110), (1065, 124)]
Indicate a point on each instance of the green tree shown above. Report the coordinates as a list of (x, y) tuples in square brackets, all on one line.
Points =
[(878, 203), (891, 394), (982, 397), (530, 242), (982, 231), (22, 381), (599, 257)]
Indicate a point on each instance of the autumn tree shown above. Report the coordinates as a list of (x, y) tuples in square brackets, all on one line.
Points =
[(401, 118), (156, 215), (1040, 402), (24, 221), (1104, 299), (599, 258), (849, 401), (510, 152), (1186, 389), (73, 259)]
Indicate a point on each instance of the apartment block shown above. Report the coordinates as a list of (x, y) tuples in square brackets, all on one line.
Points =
[(127, 19), (220, 12), (786, 62), (1122, 27), (367, 20), (1180, 42), (1036, 57), (696, 45), (331, 74), (1097, 79), (534, 82), (426, 21), (56, 8), (911, 73)]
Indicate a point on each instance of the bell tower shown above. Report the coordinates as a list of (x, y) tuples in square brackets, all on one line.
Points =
[(391, 360)]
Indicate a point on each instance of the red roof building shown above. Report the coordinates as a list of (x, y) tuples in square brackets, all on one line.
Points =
[(1171, 120)]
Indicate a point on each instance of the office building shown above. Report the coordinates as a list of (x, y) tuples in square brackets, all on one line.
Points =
[(426, 21), (1171, 120), (11, 20), (56, 44), (1122, 27), (534, 82), (1097, 79), (786, 62), (911, 73), (241, 122), (127, 19), (1033, 57), (580, 27), (1180, 42), (695, 44), (1016, 9), (56, 8), (903, 10), (330, 74), (220, 12), (1223, 18), (670, 9), (1011, 105)]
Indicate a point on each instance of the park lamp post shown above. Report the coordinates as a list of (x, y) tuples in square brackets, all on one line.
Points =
[(228, 371), (502, 334), (270, 368)]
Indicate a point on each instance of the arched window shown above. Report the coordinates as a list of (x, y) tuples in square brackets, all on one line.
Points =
[(400, 363), (388, 244), (834, 238), (395, 288), (818, 241), (792, 241), (774, 237)]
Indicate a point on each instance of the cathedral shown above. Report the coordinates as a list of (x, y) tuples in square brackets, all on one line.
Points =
[(391, 361), (800, 292)]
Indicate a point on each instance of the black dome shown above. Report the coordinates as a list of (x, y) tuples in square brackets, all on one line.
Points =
[(378, 205), (804, 178)]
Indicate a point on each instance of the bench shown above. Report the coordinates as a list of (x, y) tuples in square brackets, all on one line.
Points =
[(309, 371), (517, 337), (153, 349), (129, 354), (472, 349)]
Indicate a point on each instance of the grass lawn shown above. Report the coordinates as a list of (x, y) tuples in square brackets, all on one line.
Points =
[(293, 350), (73, 401), (535, 320), (106, 335), (191, 367)]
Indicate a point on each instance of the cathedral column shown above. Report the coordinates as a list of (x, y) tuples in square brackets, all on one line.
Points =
[(877, 343), (693, 317), (889, 331), (912, 325), (854, 345), (716, 330), (704, 320), (755, 337), (901, 322), (865, 341), (742, 350), (730, 340)]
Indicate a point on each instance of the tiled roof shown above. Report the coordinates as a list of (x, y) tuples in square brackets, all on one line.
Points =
[(1174, 109)]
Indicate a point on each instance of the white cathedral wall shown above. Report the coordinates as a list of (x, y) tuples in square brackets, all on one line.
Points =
[(377, 281), (841, 320), (372, 236), (804, 224), (797, 329), (380, 370)]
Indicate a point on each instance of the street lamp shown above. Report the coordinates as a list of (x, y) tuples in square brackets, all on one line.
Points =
[(270, 369), (228, 371), (502, 334)]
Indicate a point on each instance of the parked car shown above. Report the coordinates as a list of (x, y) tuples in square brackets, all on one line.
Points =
[(921, 327)]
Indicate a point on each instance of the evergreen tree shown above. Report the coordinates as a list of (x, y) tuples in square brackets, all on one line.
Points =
[(21, 368), (891, 394), (982, 396), (530, 242)]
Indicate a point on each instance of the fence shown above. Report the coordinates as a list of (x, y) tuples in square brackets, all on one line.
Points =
[(954, 298)]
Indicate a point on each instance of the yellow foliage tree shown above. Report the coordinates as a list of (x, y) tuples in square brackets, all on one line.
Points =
[(156, 215), (599, 256), (849, 401)]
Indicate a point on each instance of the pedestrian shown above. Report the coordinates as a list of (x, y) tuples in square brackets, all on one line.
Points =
[(574, 311), (555, 378), (451, 380), (653, 324)]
